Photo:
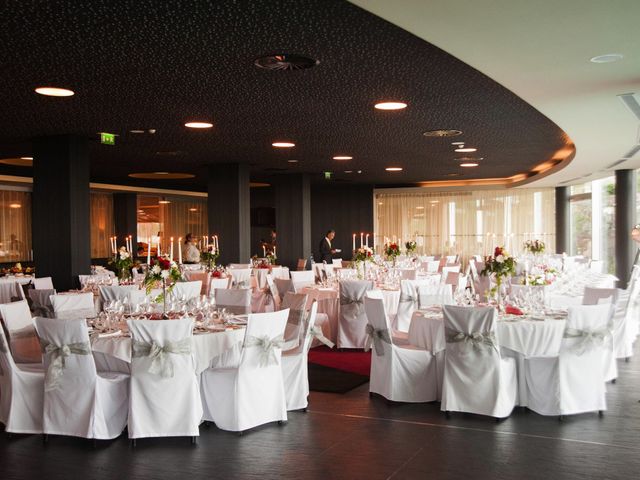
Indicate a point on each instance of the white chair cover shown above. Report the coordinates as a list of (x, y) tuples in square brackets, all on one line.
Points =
[(337, 262), (429, 295), (295, 329), (240, 266), (203, 277), (25, 345), (41, 302), (283, 286), (21, 393), (408, 273), (128, 293), (73, 306), (476, 378), (237, 301), (431, 266), (599, 296), (43, 283), (241, 277), (10, 291), (164, 396), (302, 279), (251, 394), (445, 274), (409, 302), (186, 290), (280, 272), (573, 382), (352, 324), (400, 373), (219, 283), (266, 299), (595, 296), (295, 371), (77, 400), (625, 322)]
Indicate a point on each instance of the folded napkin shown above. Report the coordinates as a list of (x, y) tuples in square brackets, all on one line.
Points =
[(117, 333), (511, 310)]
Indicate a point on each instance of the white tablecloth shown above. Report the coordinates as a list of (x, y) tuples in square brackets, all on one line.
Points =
[(206, 347)]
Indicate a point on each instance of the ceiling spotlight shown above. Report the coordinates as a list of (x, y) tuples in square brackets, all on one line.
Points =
[(54, 92), (390, 106), (457, 143), (393, 169), (292, 161), (15, 205), (466, 149), (469, 164), (607, 58), (164, 202), (343, 158), (283, 144), (197, 125), (26, 158), (193, 209), (348, 171)]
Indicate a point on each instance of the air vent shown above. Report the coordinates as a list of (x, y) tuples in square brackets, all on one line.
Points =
[(570, 180), (618, 162), (285, 61), (442, 133)]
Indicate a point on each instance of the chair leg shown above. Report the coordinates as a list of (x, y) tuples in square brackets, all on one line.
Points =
[(9, 435), (194, 440), (560, 418), (304, 410), (45, 439), (133, 443), (601, 413), (447, 414), (626, 360), (240, 433), (613, 381)]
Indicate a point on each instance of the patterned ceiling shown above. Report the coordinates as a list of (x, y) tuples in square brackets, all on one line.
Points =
[(150, 64)]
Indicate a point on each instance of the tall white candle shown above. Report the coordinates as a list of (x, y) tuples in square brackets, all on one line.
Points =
[(149, 251), (158, 249), (361, 239), (274, 250), (171, 250), (264, 251), (180, 250), (367, 241), (354, 242)]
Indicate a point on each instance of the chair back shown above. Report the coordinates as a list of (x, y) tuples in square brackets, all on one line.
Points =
[(353, 318), (199, 276), (24, 342), (408, 273), (186, 290), (272, 290), (41, 302), (297, 305), (164, 391), (595, 296), (280, 272), (241, 277), (587, 331), (128, 293), (264, 337), (449, 269), (11, 291), (429, 295), (302, 264), (408, 303), (220, 283), (378, 328), (337, 262), (302, 279), (283, 285), (240, 266), (76, 305), (43, 283), (431, 266), (237, 301)]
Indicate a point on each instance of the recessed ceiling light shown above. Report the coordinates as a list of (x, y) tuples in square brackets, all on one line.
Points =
[(283, 144), (343, 158), (393, 169), (15, 205), (193, 209), (359, 171), (198, 125), (380, 203), (164, 202), (457, 143), (292, 161), (348, 171), (54, 92), (136, 131), (466, 149), (469, 164), (607, 58), (446, 132), (26, 158), (390, 105)]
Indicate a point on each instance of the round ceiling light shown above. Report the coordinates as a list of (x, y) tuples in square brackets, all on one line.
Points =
[(443, 133), (393, 169), (607, 58), (469, 164), (283, 144), (344, 157), (390, 105), (161, 175), (54, 92), (200, 125), (466, 149)]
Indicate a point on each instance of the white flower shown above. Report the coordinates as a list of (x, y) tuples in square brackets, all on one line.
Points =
[(164, 274), (156, 269), (124, 255), (500, 258)]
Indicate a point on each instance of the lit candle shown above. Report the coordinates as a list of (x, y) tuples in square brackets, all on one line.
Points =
[(367, 241), (149, 251), (180, 250), (158, 248), (274, 250), (354, 242), (264, 251), (171, 250), (217, 244), (361, 239)]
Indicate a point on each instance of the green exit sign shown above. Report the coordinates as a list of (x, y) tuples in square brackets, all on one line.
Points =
[(107, 138), (327, 175)]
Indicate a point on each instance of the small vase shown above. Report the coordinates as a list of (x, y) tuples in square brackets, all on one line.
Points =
[(164, 300), (123, 275)]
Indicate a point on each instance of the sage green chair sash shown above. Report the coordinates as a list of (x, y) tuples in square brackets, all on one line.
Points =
[(478, 340), (377, 336), (317, 333), (345, 300), (268, 346), (408, 298), (586, 339), (57, 363), (161, 361)]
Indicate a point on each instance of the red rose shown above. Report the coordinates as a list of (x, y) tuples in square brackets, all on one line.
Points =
[(497, 252)]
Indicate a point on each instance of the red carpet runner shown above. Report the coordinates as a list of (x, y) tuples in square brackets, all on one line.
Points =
[(354, 361)]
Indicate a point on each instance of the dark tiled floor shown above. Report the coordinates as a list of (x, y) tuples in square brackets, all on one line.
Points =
[(352, 436)]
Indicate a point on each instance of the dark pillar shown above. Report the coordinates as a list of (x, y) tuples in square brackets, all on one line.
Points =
[(563, 227), (61, 235), (625, 220), (228, 211), (293, 219), (125, 216)]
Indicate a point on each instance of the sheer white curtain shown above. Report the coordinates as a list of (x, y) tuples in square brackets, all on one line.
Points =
[(102, 224), (466, 222), (15, 226)]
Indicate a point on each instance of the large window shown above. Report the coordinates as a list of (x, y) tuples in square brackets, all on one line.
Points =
[(15, 226)]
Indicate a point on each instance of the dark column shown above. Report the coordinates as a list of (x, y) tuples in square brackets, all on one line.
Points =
[(61, 235), (293, 219), (563, 227), (125, 216), (625, 220), (228, 211)]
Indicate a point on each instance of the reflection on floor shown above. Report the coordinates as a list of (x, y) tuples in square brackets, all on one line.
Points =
[(353, 436)]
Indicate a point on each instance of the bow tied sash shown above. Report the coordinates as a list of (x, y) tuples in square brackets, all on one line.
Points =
[(344, 300), (161, 361), (316, 332), (268, 348), (377, 336), (586, 339), (57, 361), (409, 298), (477, 340)]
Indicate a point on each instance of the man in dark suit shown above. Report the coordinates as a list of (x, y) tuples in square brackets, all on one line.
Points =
[(326, 250)]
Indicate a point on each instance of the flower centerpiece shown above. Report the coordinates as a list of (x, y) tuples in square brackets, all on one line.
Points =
[(411, 247), (162, 272), (209, 256), (271, 257), (500, 265), (535, 247), (391, 251), (361, 256), (219, 272), (122, 264), (542, 275)]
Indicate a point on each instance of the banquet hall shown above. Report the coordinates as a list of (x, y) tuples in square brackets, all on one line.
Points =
[(319, 239)]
